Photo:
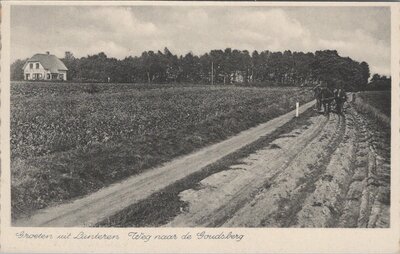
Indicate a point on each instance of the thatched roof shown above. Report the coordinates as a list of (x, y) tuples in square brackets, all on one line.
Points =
[(49, 62)]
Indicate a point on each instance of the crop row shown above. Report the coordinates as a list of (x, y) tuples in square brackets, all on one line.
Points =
[(65, 145)]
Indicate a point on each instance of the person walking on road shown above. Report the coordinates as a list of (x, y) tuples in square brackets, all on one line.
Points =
[(340, 98)]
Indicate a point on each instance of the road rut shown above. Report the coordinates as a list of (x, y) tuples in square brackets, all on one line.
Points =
[(104, 203), (324, 174)]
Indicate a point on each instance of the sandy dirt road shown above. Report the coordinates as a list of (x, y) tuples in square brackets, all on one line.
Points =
[(94, 208), (321, 172), (325, 173)]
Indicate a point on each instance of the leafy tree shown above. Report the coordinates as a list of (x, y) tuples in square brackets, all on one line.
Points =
[(365, 73), (16, 71), (379, 83)]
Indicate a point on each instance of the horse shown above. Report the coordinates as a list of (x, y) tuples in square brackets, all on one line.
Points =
[(317, 95), (327, 97)]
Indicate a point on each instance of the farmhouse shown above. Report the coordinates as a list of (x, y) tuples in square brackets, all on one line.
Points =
[(44, 67)]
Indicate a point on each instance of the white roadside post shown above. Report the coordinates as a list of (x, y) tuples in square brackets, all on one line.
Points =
[(297, 100)]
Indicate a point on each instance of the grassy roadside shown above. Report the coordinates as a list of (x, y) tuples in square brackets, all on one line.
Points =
[(163, 206), (381, 100)]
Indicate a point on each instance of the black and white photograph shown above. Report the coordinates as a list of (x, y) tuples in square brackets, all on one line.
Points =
[(200, 116)]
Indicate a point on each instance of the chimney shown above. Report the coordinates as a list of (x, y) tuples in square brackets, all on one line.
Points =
[(48, 52)]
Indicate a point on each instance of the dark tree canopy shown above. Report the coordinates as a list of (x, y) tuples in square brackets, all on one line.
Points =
[(379, 82), (16, 71), (229, 66)]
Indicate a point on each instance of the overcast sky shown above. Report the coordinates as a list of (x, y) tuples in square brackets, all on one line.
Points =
[(362, 33)]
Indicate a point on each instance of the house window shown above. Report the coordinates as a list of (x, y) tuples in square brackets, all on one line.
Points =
[(27, 76), (36, 76), (31, 66), (61, 76), (48, 76), (37, 65)]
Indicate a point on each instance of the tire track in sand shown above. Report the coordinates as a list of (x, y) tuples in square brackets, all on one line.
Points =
[(326, 175), (229, 198), (277, 204)]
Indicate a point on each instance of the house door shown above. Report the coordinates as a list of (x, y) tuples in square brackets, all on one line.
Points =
[(27, 76), (54, 76)]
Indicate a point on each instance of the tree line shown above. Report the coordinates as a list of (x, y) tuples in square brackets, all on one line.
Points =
[(379, 82), (227, 66)]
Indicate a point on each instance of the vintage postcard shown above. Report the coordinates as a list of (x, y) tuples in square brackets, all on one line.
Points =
[(195, 127)]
